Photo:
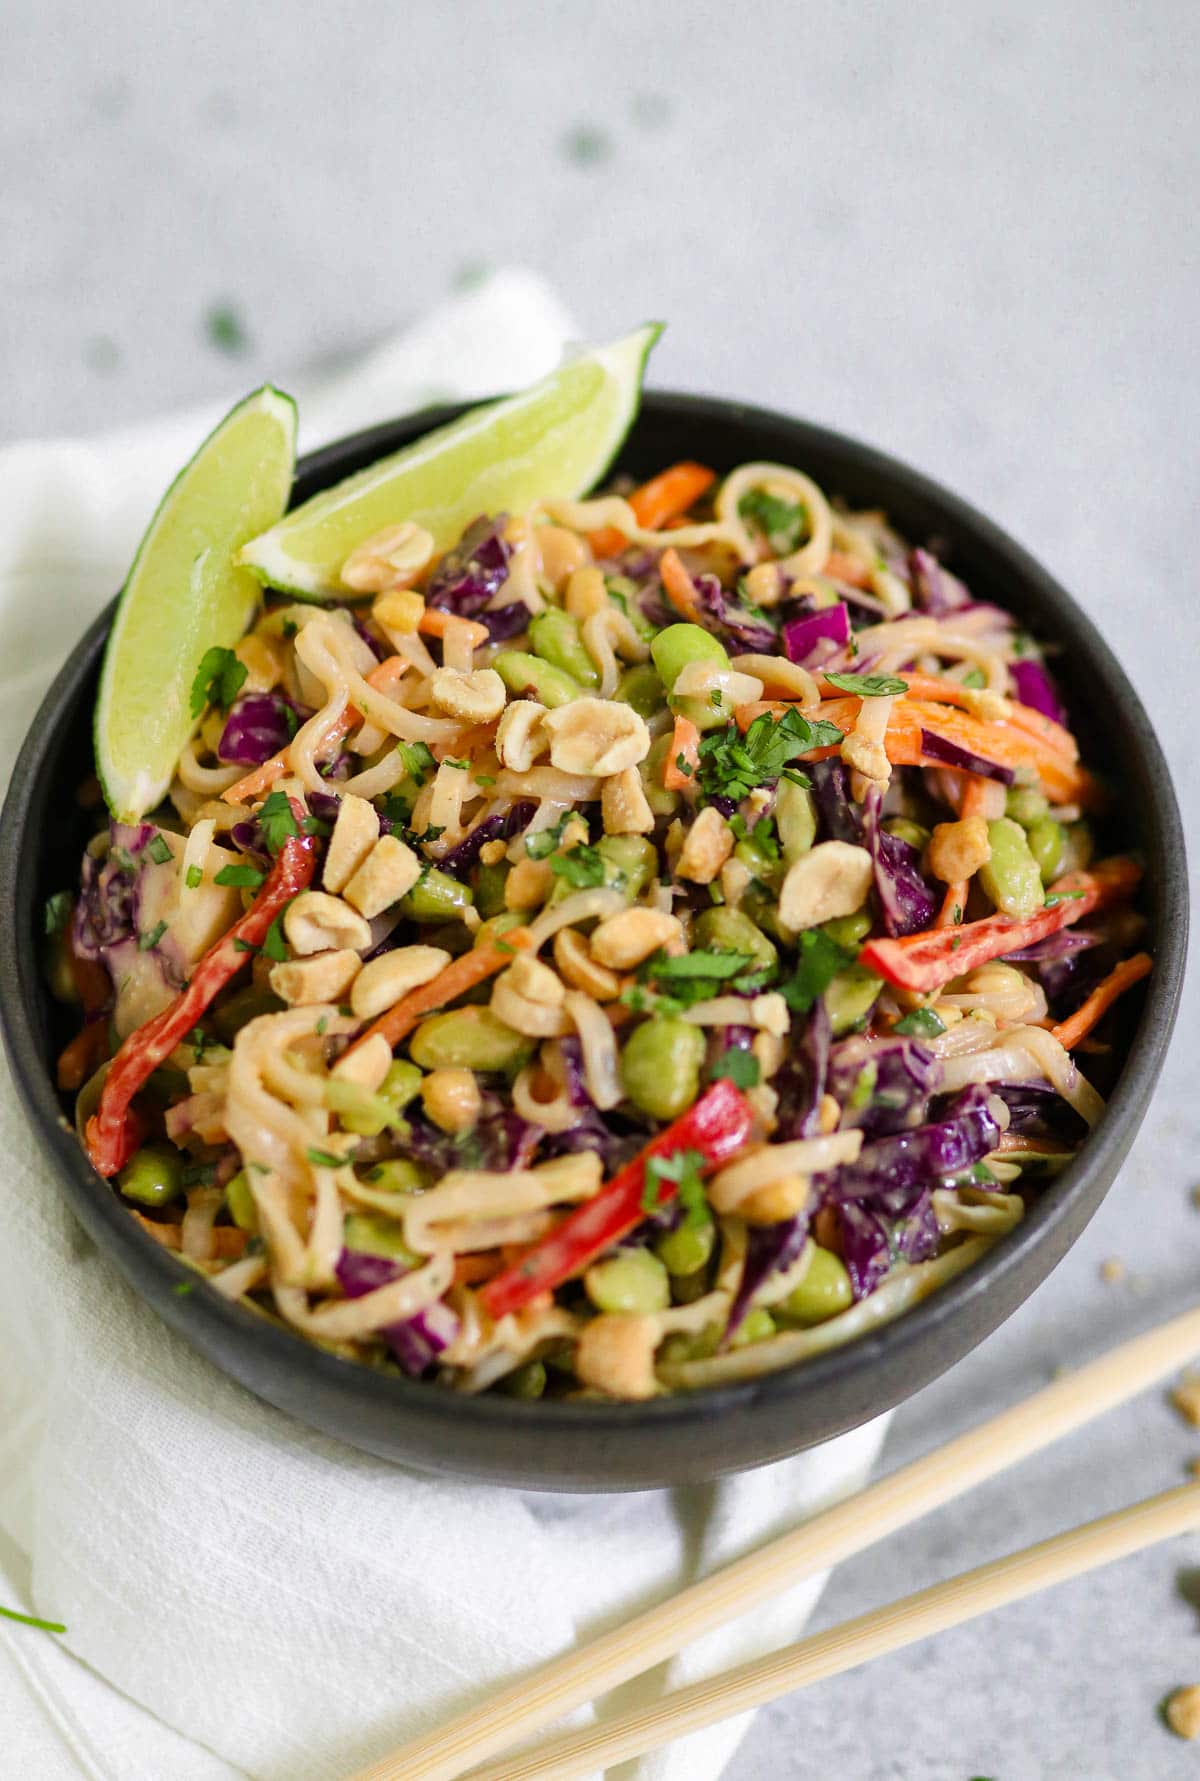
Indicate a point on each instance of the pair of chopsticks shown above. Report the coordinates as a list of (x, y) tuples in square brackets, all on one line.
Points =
[(527, 1706)]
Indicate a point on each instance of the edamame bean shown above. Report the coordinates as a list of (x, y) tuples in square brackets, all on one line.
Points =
[(554, 636), (489, 889), (850, 998), (630, 862), (1078, 848), (396, 1176), (153, 1176), (466, 1038), (624, 593), (756, 1326), (702, 1346), (677, 645), (660, 1066), (823, 1291), (641, 687), (686, 1250), (528, 1381), (915, 833), (760, 853), (795, 818), (729, 930), (1025, 804), (240, 1202), (358, 1110), (369, 1233), (1010, 878), (661, 801), (496, 926), (1047, 843), (529, 677), (57, 959), (848, 930), (435, 896), (634, 1281)]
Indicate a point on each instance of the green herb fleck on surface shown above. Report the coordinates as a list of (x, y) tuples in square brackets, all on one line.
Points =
[(277, 820), (225, 328), (194, 878), (159, 851), (819, 961), (58, 911), (219, 679), (682, 1170), (581, 866), (541, 845), (782, 523), (732, 765), (869, 686), (324, 1159), (922, 1023), (741, 1067), (587, 145), (150, 939), (241, 877), (182, 1288), (274, 945)]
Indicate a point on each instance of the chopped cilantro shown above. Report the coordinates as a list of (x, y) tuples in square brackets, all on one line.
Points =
[(661, 968), (460, 766), (194, 878), (396, 809), (1062, 897), (218, 680), (419, 759), (682, 1170), (782, 523), (541, 845), (288, 628), (684, 765), (864, 1086), (324, 1159), (581, 866), (225, 328), (974, 678), (152, 937), (922, 1023), (243, 877), (181, 1288), (741, 1068), (732, 765), (869, 686), (124, 859), (159, 851), (58, 911), (199, 1174), (274, 945), (430, 832), (819, 961), (240, 945), (485, 779), (321, 1025), (277, 821)]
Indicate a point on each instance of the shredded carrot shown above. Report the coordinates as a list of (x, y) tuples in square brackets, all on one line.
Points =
[(665, 497), (261, 779), (460, 975), (83, 1056), (841, 567), (434, 622), (1078, 1025), (473, 1270), (679, 587), (165, 1234), (685, 743), (1021, 717)]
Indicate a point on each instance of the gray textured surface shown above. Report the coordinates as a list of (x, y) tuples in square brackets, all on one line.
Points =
[(966, 233)]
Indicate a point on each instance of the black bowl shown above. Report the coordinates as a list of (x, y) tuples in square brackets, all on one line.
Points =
[(597, 1446)]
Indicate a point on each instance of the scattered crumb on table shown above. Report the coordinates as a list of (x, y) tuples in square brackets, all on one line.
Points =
[(1183, 1711), (1186, 1398), (1112, 1270)]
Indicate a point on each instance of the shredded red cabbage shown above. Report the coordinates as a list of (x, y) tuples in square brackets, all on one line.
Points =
[(949, 754), (258, 726), (416, 1341), (826, 625), (473, 572), (907, 903), (1035, 687)]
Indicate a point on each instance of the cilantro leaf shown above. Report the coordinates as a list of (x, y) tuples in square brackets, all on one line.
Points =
[(419, 759), (58, 911), (150, 939), (544, 843), (682, 1170), (741, 1067), (1056, 897), (218, 680), (733, 765), (820, 959), (662, 968), (243, 877), (869, 686), (324, 1159), (194, 877), (278, 822), (159, 851), (274, 945), (581, 866), (782, 523), (974, 678), (922, 1023)]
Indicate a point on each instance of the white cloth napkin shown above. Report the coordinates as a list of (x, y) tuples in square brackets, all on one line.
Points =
[(242, 1596)]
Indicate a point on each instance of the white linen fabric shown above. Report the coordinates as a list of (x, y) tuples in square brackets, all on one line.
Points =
[(242, 1596)]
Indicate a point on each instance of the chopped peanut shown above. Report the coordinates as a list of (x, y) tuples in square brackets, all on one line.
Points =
[(528, 884), (389, 870), (958, 849), (536, 1019), (624, 806), (560, 553), (391, 558), (596, 736), (323, 978), (366, 1064), (586, 594), (1186, 1398), (354, 835), (615, 1353), (451, 1098), (581, 970), (832, 879), (399, 610), (477, 697), (520, 738), (625, 939), (316, 922), (262, 658), (383, 981), (706, 847), (535, 981), (1183, 1712)]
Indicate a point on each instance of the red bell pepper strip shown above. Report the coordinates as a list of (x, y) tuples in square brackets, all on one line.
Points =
[(112, 1131), (717, 1126), (923, 962)]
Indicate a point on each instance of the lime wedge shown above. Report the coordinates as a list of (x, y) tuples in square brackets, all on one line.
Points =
[(551, 442), (185, 595)]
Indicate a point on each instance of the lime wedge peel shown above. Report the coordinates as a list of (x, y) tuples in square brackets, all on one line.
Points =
[(552, 442), (184, 595)]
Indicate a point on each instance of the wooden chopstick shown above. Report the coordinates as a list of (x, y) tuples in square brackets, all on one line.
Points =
[(525, 1706), (905, 1622)]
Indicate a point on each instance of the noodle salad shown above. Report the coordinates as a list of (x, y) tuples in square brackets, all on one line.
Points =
[(635, 949)]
